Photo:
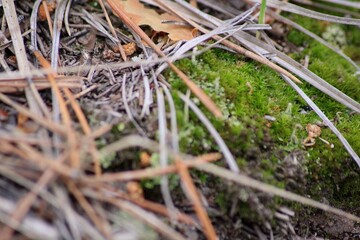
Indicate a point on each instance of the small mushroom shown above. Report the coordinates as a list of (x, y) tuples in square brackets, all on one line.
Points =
[(314, 131)]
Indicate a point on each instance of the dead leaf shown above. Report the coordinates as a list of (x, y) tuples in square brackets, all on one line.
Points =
[(146, 16), (145, 159), (135, 190), (129, 48), (51, 5), (25, 125)]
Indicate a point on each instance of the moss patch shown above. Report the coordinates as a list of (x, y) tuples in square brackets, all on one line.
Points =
[(247, 91)]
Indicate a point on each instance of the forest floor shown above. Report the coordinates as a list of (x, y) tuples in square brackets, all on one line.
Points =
[(101, 139)]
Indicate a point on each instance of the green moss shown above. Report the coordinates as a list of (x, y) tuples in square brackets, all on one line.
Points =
[(247, 91)]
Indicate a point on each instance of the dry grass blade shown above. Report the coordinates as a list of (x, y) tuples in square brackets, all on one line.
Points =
[(214, 133), (174, 129), (139, 213), (255, 184), (163, 151), (314, 36), (309, 13), (89, 210), (194, 197), (344, 3), (329, 8), (74, 156), (149, 172), (191, 85), (66, 20), (40, 120), (25, 203), (17, 40), (20, 52), (152, 206), (167, 5)]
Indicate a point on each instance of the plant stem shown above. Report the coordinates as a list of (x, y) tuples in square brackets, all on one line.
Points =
[(261, 15)]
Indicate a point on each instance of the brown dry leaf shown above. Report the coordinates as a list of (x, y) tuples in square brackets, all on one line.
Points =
[(129, 48), (22, 119), (135, 190), (25, 125), (145, 159), (51, 5), (146, 16)]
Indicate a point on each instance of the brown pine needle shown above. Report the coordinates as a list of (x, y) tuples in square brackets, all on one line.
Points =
[(152, 206), (84, 203), (72, 143), (140, 214), (121, 49), (48, 17), (234, 46), (78, 112), (27, 201), (149, 172), (39, 119), (193, 195), (198, 92)]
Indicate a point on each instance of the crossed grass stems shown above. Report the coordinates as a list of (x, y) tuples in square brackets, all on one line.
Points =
[(61, 163)]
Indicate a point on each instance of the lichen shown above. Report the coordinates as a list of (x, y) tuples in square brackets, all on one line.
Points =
[(335, 35)]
